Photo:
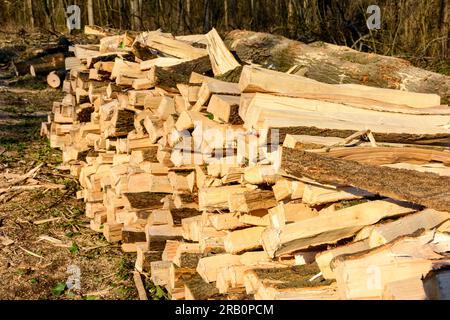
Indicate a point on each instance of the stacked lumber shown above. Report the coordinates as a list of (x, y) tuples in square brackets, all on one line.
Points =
[(277, 187)]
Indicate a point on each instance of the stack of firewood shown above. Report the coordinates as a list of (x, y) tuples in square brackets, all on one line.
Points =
[(276, 187)]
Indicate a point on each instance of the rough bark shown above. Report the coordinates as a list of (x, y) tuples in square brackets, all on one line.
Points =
[(426, 189), (335, 64)]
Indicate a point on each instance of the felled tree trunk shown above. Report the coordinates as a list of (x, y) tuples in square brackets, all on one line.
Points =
[(336, 64)]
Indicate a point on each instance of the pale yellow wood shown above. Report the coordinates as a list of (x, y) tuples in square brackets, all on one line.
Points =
[(408, 289), (222, 60), (324, 259), (263, 80), (387, 232), (330, 228), (243, 240)]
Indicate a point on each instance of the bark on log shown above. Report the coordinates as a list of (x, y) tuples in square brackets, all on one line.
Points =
[(44, 65), (335, 64), (426, 189)]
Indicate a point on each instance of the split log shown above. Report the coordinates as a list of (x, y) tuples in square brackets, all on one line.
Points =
[(264, 80), (364, 275), (388, 232), (330, 228), (221, 59), (426, 189), (333, 64), (324, 259), (334, 119)]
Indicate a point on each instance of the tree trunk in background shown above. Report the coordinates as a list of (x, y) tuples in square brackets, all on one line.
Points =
[(206, 21), (30, 13), (135, 14), (445, 31), (335, 64), (90, 7), (234, 17), (225, 8)]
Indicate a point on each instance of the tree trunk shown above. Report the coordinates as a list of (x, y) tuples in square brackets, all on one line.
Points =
[(135, 12), (334, 64), (206, 21), (91, 12), (30, 13), (225, 8)]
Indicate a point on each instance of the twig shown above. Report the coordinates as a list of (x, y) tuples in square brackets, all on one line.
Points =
[(348, 140), (31, 253), (24, 177), (39, 222)]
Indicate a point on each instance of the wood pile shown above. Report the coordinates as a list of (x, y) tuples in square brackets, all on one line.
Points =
[(276, 187)]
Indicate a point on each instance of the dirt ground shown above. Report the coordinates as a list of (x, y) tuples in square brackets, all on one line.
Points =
[(46, 244), (37, 258)]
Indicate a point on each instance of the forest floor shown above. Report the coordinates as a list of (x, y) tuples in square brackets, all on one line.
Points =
[(38, 257), (45, 239)]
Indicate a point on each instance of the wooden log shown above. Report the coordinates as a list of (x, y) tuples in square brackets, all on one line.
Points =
[(336, 119), (429, 190), (284, 214), (225, 109), (315, 195), (324, 259), (222, 60), (363, 276), (388, 232), (160, 272), (46, 64), (264, 80), (170, 46), (56, 78), (251, 201), (197, 289), (169, 77), (333, 64), (243, 240), (391, 155), (287, 283), (330, 228)]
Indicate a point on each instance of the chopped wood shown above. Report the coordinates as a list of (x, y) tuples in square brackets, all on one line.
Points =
[(222, 60), (426, 189), (330, 228)]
